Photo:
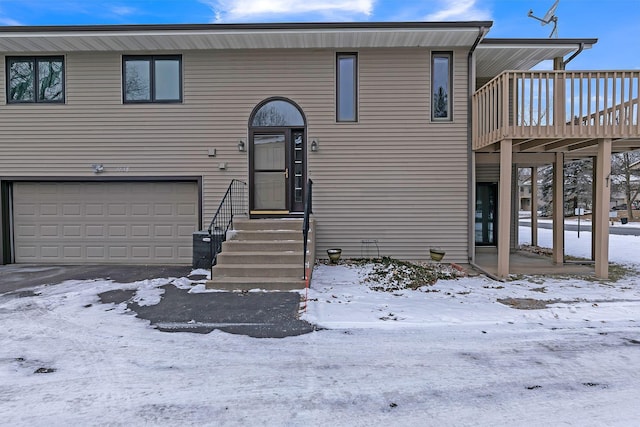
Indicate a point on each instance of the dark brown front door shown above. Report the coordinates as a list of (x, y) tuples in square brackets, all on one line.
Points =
[(277, 171)]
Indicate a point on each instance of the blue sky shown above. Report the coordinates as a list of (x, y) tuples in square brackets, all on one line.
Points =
[(613, 22)]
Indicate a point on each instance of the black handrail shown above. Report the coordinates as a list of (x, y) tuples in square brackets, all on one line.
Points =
[(305, 227), (233, 203)]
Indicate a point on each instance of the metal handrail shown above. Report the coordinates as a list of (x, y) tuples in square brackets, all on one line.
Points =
[(233, 203), (305, 227)]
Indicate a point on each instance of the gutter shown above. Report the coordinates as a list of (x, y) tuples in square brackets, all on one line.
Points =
[(471, 191)]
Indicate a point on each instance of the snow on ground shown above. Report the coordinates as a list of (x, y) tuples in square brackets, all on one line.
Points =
[(622, 249), (448, 355)]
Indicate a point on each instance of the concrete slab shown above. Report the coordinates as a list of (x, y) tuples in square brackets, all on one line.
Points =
[(522, 262)]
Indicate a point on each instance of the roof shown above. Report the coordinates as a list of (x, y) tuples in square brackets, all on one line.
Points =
[(494, 55), (350, 35)]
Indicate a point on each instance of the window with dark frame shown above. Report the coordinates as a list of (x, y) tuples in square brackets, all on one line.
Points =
[(441, 77), (347, 87), (35, 79), (152, 78)]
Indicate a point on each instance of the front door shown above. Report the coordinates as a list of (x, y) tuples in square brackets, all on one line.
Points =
[(486, 204), (277, 171), (277, 159)]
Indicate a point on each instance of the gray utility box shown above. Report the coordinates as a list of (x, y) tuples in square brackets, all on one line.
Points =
[(206, 247), (201, 249)]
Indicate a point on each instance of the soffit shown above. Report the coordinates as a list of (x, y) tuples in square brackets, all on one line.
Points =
[(238, 36), (494, 56)]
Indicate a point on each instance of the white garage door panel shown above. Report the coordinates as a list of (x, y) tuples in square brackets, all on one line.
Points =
[(102, 222)]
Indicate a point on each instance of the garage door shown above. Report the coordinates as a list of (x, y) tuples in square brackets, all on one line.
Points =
[(104, 222)]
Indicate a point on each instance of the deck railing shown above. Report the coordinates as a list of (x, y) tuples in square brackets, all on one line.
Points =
[(557, 105)]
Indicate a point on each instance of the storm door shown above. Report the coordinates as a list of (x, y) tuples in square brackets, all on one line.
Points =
[(277, 159), (486, 205)]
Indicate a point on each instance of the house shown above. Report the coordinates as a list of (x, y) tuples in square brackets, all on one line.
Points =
[(119, 142), (524, 193)]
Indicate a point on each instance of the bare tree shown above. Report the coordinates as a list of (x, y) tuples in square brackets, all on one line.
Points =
[(269, 116), (578, 186), (440, 103), (50, 80), (625, 173), (21, 77)]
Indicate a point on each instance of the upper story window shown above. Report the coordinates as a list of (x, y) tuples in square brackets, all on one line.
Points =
[(347, 87), (152, 78), (441, 77), (35, 79)]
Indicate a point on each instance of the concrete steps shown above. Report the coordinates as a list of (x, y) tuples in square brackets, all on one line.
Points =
[(263, 254)]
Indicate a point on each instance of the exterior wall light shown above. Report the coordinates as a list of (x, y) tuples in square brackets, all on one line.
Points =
[(97, 168), (241, 145), (315, 145)]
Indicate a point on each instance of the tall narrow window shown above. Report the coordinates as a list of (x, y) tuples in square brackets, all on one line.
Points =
[(441, 86), (152, 78), (35, 79), (347, 87)]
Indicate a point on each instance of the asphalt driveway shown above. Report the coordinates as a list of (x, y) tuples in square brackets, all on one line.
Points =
[(256, 314)]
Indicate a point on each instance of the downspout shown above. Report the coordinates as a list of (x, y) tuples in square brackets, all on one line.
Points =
[(580, 49), (471, 188)]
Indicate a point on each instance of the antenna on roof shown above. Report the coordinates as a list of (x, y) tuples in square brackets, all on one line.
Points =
[(548, 17)]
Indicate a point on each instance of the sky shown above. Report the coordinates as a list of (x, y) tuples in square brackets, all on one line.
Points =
[(613, 22), (457, 353)]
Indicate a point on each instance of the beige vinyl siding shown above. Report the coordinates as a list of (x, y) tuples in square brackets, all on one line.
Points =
[(393, 176), (488, 173)]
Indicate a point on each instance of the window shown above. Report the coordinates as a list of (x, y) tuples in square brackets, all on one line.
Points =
[(35, 79), (152, 78), (441, 86), (278, 113), (346, 87)]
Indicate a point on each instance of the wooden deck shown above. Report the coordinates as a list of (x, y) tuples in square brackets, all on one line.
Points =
[(550, 111)]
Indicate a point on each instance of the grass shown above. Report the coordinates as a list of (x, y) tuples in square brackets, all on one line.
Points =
[(390, 275)]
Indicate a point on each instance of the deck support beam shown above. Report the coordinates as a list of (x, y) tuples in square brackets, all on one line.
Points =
[(558, 209), (534, 206), (594, 202), (601, 207), (504, 203)]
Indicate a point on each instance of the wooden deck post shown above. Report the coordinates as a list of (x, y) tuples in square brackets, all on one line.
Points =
[(558, 209), (504, 207), (594, 202), (534, 206), (601, 207)]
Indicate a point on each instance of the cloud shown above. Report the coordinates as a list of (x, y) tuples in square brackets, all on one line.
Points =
[(9, 21), (459, 10), (123, 10), (244, 10)]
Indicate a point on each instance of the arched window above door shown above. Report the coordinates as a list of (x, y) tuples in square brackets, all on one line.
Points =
[(277, 113)]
